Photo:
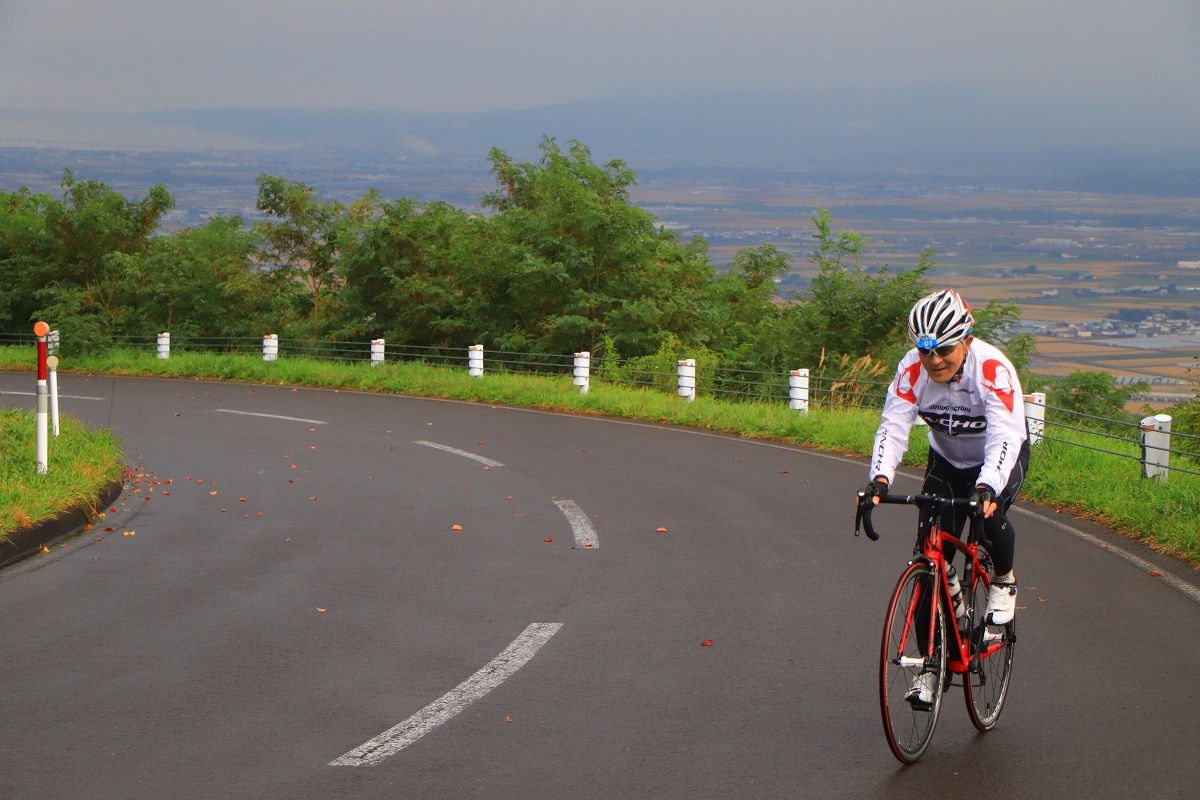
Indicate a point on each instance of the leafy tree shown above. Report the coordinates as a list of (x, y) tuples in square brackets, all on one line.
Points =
[(1095, 393), (569, 259), (850, 310), (303, 244)]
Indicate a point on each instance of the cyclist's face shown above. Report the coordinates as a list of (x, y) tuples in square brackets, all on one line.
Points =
[(942, 368)]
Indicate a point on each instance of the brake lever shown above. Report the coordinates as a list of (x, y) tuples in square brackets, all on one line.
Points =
[(862, 517)]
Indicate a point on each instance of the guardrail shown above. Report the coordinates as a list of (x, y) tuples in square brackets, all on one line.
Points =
[(799, 388)]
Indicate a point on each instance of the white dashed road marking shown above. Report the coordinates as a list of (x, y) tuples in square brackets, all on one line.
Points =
[(585, 532), (498, 670), (481, 459), (272, 416)]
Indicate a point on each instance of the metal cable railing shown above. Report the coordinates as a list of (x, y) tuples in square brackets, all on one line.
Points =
[(732, 383)]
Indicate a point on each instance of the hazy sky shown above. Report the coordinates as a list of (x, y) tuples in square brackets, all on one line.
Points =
[(466, 55)]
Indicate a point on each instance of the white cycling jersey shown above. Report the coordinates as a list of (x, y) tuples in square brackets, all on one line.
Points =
[(975, 420)]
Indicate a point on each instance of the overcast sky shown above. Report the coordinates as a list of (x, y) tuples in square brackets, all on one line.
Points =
[(469, 55)]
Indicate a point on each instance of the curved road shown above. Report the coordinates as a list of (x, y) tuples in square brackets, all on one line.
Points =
[(192, 659)]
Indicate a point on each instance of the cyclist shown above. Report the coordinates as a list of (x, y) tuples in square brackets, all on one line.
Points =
[(967, 392)]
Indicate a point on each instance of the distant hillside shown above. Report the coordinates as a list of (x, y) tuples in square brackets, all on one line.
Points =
[(952, 130)]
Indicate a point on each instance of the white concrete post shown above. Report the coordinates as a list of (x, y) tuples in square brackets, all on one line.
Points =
[(377, 346), (1035, 416), (687, 379), (798, 390), (271, 347), (52, 371), (583, 371), (164, 346), (1156, 442), (475, 360)]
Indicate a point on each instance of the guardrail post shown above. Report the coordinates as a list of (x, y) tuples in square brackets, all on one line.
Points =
[(164, 346), (41, 329), (687, 379), (798, 390), (1035, 416), (475, 360), (270, 347), (377, 346), (583, 371), (1156, 445)]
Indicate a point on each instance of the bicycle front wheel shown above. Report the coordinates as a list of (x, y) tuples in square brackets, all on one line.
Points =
[(913, 637), (986, 681)]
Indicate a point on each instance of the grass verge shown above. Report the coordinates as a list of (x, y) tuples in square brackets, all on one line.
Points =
[(1104, 488), (81, 462)]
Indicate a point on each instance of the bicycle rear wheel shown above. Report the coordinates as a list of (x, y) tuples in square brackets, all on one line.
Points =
[(985, 684), (908, 727)]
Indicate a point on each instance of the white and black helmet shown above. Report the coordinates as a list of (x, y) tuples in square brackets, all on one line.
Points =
[(939, 319)]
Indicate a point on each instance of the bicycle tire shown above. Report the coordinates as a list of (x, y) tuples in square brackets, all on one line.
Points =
[(909, 730), (985, 683)]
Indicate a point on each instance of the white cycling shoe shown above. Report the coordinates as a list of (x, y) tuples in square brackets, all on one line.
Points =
[(1002, 603), (920, 696)]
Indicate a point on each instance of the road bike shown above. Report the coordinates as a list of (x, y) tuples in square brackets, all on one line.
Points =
[(917, 637)]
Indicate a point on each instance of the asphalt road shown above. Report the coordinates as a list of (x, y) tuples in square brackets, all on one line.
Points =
[(191, 660)]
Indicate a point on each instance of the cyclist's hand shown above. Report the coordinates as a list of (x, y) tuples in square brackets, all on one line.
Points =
[(983, 495), (876, 489)]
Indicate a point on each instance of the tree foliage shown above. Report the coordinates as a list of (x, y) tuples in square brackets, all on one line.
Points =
[(557, 259)]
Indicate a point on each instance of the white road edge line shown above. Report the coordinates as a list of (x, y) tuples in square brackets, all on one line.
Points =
[(1180, 585), (272, 416), (481, 459), (585, 532), (498, 670), (61, 396)]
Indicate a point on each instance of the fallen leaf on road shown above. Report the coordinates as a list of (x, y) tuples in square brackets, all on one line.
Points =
[(242, 499), (99, 539), (109, 529), (312, 498), (293, 466), (212, 493), (111, 509), (313, 430), (587, 544), (290, 480), (45, 549), (1041, 599), (222, 511), (660, 530), (706, 643), (314, 447), (547, 540), (166, 494), (508, 719), (129, 533), (168, 480), (599, 516), (487, 467), (177, 413), (1155, 573), (510, 497), (783, 472), (320, 609), (456, 527), (260, 513), (1104, 545), (480, 443)]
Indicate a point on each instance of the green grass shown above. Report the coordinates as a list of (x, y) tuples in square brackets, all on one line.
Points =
[(81, 462), (1101, 487)]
